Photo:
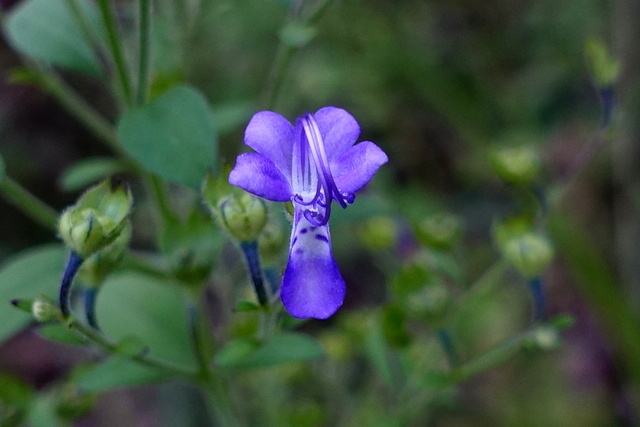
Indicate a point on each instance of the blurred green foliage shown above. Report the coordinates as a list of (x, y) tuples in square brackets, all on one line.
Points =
[(436, 329)]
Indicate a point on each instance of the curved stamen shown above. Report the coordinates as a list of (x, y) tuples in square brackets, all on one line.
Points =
[(313, 168)]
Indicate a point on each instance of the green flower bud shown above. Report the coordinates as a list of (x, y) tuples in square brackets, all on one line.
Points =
[(546, 338), (438, 231), (95, 269), (379, 233), (44, 310), (604, 68), (429, 303), (243, 216), (529, 253), (517, 164), (97, 219)]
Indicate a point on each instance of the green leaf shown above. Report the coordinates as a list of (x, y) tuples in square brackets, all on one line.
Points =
[(153, 311), (117, 372), (246, 306), (90, 171), (235, 351), (25, 276), (43, 412), (284, 348), (46, 31), (172, 136), (61, 333)]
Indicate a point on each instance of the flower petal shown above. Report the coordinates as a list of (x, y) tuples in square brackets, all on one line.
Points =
[(312, 285), (355, 168), (271, 135), (258, 175), (338, 128)]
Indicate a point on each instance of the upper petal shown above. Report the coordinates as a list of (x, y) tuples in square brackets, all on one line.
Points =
[(312, 285), (338, 128), (271, 135), (258, 175), (355, 168)]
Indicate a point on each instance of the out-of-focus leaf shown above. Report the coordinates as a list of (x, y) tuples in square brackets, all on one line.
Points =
[(236, 351), (43, 412), (61, 333), (117, 372), (599, 286), (15, 398), (245, 306), (231, 115), (172, 136), (90, 171), (46, 31), (25, 276), (284, 348), (153, 311)]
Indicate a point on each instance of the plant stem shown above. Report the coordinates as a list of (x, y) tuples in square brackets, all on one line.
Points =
[(33, 207), (83, 25), (283, 57), (446, 341), (252, 256), (220, 402), (90, 295), (144, 52), (73, 264), (111, 347), (159, 191), (79, 108), (113, 40)]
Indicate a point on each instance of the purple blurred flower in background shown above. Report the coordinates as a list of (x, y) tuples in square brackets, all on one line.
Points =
[(311, 164)]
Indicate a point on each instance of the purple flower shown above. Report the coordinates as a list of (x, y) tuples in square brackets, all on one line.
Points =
[(311, 164)]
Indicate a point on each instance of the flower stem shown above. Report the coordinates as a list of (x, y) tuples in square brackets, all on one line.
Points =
[(252, 256), (539, 300), (113, 40), (79, 108), (90, 295), (142, 359), (73, 264), (144, 33), (283, 57), (32, 206), (81, 21), (446, 341)]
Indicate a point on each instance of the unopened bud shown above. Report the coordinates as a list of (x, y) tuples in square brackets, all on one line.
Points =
[(97, 219), (603, 66), (530, 253), (517, 164), (95, 269), (439, 230), (44, 310), (244, 216)]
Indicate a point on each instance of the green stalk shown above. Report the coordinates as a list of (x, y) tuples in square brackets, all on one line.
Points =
[(113, 40), (33, 207), (79, 108), (282, 61), (83, 24), (142, 359), (144, 50)]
